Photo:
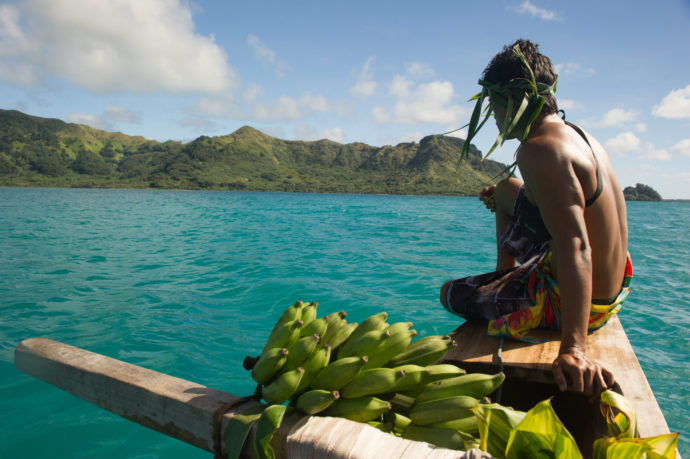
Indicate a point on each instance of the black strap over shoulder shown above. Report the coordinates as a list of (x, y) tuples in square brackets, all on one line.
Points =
[(600, 183)]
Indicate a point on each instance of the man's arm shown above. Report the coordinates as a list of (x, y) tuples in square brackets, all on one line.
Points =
[(557, 193)]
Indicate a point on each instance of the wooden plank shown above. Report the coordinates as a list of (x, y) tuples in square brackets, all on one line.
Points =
[(173, 406), (188, 411), (478, 352)]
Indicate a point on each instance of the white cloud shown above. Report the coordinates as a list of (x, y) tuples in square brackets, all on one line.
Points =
[(428, 103), (681, 148), (569, 104), (14, 46), (223, 107), (571, 68), (655, 154), (314, 103), (111, 114), (419, 69), (425, 103), (541, 13), (616, 117), (284, 108), (118, 45), (400, 87), (95, 121), (675, 105), (641, 127), (200, 124), (264, 54), (305, 132), (121, 114), (626, 141), (365, 85), (252, 92), (380, 115)]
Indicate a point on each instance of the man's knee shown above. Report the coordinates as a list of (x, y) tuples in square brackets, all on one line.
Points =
[(505, 194), (444, 294)]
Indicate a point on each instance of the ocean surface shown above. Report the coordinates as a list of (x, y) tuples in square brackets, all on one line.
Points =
[(188, 283)]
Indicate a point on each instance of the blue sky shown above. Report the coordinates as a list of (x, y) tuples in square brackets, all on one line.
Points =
[(375, 72)]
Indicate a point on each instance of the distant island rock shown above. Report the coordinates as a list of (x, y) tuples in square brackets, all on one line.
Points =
[(641, 192), (51, 153)]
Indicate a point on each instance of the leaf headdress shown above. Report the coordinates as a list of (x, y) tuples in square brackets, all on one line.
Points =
[(533, 97)]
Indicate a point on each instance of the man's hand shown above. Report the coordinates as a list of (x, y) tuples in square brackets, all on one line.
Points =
[(586, 375), (487, 196)]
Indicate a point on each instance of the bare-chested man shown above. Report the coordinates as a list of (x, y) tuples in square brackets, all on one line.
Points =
[(565, 225)]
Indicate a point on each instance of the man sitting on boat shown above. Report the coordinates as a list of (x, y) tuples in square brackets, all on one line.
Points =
[(565, 224)]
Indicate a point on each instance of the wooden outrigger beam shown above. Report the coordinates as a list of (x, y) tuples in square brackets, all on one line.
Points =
[(195, 413)]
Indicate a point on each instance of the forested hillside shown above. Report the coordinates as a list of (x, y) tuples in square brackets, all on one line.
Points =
[(48, 152)]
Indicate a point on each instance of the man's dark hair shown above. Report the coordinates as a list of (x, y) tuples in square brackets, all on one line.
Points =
[(506, 66)]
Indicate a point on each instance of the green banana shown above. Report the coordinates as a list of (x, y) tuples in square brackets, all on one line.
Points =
[(467, 425), (334, 321), (268, 423), (340, 315), (309, 312), (337, 374), (475, 385), (442, 371), (270, 362), (374, 322), (283, 387), (341, 332), (291, 313), (317, 400), (361, 345), (319, 359), (415, 377), (284, 335), (372, 382), (401, 403), (424, 351), (300, 351), (395, 342), (443, 409), (361, 409), (400, 421), (445, 438), (315, 327), (399, 327)]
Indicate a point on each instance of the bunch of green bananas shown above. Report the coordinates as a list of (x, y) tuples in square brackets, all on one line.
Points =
[(370, 372)]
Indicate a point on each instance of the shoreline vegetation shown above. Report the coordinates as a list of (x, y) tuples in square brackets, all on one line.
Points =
[(51, 153), (43, 152)]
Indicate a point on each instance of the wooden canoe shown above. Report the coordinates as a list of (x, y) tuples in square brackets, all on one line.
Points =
[(529, 379), (197, 414)]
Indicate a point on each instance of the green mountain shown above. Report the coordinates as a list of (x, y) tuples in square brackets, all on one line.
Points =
[(48, 152)]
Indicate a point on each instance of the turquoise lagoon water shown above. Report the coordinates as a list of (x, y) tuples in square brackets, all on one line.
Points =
[(188, 283)]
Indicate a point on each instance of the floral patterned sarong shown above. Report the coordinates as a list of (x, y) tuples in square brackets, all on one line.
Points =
[(545, 311)]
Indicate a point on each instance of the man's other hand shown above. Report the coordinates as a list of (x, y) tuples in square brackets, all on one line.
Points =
[(574, 371)]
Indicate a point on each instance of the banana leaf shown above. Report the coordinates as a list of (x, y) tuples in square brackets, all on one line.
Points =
[(621, 419), (541, 435), (266, 426), (622, 440), (238, 429), (495, 422), (660, 447)]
